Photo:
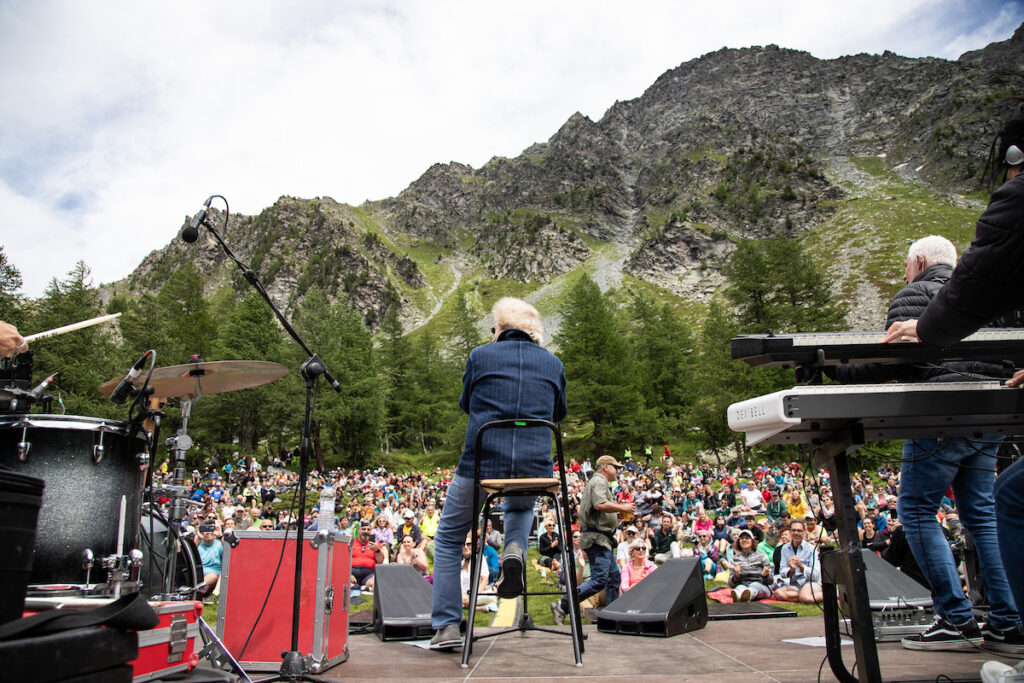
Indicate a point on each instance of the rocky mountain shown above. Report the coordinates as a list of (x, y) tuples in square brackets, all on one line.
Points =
[(739, 143)]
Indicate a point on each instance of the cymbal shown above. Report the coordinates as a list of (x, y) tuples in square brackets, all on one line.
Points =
[(192, 380)]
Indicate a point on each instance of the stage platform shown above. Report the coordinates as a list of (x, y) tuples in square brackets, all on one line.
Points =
[(734, 651)]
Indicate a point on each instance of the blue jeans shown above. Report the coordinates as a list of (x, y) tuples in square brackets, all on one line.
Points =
[(604, 575), (456, 521), (929, 467), (1010, 523)]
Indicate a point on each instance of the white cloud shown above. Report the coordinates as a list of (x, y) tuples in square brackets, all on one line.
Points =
[(129, 114)]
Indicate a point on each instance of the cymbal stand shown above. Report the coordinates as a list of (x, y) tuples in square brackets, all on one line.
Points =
[(178, 445)]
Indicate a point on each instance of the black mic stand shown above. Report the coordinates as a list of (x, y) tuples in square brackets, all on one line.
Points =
[(295, 666)]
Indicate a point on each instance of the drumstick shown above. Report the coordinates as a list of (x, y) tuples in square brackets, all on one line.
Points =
[(71, 328)]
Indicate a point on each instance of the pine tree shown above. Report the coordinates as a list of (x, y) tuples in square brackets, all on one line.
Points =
[(176, 322), (347, 425), (719, 380), (664, 351), (396, 360), (189, 323), (251, 332), (85, 358), (10, 300), (599, 367), (463, 332), (776, 286)]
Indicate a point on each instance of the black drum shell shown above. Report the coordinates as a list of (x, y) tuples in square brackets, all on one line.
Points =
[(82, 498)]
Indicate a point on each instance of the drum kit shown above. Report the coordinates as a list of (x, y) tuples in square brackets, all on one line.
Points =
[(101, 531)]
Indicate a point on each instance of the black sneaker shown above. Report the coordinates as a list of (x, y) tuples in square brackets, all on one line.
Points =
[(943, 635), (1011, 640), (510, 582), (447, 638)]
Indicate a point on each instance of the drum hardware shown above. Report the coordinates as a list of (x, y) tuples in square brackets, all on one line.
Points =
[(88, 560), (122, 571), (24, 446), (143, 460), (229, 536), (16, 378), (160, 539), (97, 451), (20, 400)]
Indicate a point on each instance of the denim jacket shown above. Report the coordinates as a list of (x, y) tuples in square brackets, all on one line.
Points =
[(511, 378)]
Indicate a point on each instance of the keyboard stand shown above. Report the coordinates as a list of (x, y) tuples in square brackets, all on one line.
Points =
[(843, 569)]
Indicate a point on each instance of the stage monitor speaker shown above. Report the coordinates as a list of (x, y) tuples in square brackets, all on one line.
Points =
[(401, 603), (900, 606), (668, 602), (890, 588)]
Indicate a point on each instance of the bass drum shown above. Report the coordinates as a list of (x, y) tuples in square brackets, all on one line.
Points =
[(93, 470), (153, 542)]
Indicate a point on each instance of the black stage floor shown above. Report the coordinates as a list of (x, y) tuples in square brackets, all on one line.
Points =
[(728, 650)]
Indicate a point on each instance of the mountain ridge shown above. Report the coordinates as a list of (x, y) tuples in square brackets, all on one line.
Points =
[(738, 143)]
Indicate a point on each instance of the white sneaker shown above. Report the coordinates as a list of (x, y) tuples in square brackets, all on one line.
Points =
[(745, 595), (997, 672)]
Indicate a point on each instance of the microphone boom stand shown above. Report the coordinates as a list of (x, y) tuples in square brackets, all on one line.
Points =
[(295, 666)]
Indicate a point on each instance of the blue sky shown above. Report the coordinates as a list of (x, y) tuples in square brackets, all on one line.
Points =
[(120, 117)]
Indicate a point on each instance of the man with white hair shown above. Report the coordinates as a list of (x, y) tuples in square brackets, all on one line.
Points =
[(930, 466), (512, 377)]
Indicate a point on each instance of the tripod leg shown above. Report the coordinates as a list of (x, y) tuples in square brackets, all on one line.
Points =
[(214, 650)]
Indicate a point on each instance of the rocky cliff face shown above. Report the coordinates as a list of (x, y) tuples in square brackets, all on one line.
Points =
[(294, 245), (728, 146)]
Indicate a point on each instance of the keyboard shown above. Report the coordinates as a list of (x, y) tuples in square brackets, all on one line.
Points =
[(835, 348), (811, 414)]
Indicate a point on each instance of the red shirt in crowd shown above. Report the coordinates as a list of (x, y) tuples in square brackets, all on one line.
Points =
[(362, 554)]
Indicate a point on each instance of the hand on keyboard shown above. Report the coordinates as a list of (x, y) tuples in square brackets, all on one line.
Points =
[(1016, 380), (902, 331)]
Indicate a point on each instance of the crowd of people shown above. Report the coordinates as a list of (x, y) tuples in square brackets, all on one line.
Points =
[(755, 529)]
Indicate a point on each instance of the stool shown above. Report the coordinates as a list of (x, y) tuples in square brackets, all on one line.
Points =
[(548, 487)]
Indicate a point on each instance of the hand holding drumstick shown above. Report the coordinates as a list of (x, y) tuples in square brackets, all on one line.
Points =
[(10, 340)]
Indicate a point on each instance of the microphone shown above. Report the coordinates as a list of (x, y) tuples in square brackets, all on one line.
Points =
[(120, 392), (37, 393), (191, 233)]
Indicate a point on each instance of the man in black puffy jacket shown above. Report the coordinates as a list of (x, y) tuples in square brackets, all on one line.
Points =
[(930, 466), (928, 266)]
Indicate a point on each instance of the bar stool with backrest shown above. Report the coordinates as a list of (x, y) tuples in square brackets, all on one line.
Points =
[(549, 487)]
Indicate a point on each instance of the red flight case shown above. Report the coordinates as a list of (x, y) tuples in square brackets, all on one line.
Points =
[(247, 573)]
